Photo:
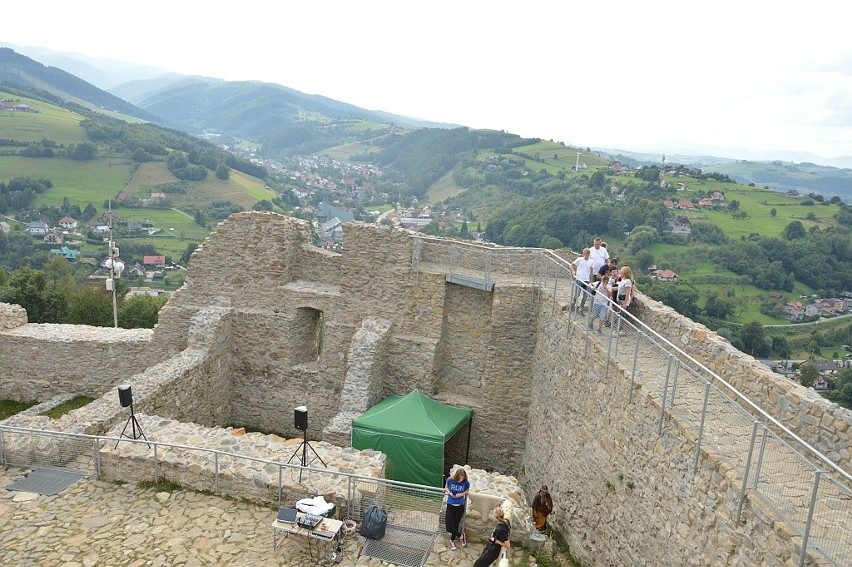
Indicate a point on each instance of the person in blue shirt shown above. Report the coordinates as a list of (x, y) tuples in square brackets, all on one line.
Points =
[(456, 488)]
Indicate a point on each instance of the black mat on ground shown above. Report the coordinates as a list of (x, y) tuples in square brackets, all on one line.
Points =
[(401, 546), (46, 480)]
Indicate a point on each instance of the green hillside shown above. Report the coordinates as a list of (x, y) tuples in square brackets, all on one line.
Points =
[(784, 176), (53, 134)]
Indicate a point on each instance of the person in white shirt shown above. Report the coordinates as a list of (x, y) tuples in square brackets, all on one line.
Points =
[(598, 255), (583, 270)]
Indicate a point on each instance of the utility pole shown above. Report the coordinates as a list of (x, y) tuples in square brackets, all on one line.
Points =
[(115, 268)]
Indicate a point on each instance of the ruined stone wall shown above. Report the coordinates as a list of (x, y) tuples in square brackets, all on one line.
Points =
[(821, 423), (484, 364), (625, 495), (40, 361), (266, 322)]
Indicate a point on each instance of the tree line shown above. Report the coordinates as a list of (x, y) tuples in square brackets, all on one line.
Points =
[(52, 295)]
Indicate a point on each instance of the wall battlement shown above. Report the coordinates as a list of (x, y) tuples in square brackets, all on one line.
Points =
[(266, 322)]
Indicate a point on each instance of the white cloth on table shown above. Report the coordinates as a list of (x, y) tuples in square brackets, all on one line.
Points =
[(316, 505)]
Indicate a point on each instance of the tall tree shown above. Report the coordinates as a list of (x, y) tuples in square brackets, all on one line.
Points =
[(140, 311), (90, 305), (754, 340)]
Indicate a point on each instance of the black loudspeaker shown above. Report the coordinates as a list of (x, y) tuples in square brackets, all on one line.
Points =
[(125, 396), (300, 418)]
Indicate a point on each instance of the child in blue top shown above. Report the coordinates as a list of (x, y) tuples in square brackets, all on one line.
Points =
[(457, 487)]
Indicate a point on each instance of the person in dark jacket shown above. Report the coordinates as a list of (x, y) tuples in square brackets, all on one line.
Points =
[(498, 541), (542, 506)]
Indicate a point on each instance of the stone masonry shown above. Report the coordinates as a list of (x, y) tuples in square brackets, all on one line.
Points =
[(267, 322)]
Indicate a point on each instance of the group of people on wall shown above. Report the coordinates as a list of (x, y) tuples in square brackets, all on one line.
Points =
[(601, 282), (457, 488)]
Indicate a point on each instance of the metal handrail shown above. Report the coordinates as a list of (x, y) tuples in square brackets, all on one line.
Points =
[(562, 263)]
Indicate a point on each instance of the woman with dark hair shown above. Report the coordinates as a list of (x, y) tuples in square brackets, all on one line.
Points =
[(498, 541), (456, 488), (542, 506)]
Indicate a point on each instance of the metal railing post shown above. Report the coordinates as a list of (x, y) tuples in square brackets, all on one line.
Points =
[(639, 335), (807, 532), (674, 382), (555, 287), (664, 396), (747, 469), (97, 458), (571, 305), (350, 501), (618, 320), (280, 482), (701, 427), (156, 465), (760, 457), (216, 471), (488, 268), (2, 448)]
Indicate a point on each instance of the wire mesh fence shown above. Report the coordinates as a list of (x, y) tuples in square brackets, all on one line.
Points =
[(415, 513)]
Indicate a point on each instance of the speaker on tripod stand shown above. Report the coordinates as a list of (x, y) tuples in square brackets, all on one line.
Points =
[(300, 421), (125, 398)]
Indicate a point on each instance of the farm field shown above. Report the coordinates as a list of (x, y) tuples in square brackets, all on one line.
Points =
[(82, 182), (442, 189), (47, 122), (240, 188)]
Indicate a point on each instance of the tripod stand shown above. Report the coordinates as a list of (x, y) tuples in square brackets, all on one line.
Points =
[(136, 428), (304, 446)]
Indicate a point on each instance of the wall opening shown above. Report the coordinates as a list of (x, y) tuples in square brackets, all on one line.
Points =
[(309, 328)]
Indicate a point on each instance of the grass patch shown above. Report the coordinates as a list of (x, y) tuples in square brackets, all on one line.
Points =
[(49, 122), (159, 485), (442, 189), (562, 548), (8, 408), (74, 403)]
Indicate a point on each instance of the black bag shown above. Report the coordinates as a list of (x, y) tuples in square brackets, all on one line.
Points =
[(375, 522)]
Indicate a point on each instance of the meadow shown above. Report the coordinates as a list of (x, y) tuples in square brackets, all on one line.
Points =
[(47, 122)]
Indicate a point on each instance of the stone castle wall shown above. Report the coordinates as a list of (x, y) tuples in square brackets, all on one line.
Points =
[(821, 423), (266, 322), (39, 361), (623, 494)]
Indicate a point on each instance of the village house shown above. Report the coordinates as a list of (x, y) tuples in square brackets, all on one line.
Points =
[(684, 204), (53, 237), (794, 310), (830, 305), (68, 223), (154, 261), (37, 228), (664, 275), (65, 252), (332, 229), (677, 225), (705, 202), (158, 196), (4, 227)]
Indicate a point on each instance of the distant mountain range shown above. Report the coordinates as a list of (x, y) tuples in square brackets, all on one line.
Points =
[(283, 120)]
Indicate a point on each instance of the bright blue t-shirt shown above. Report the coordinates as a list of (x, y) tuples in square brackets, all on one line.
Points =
[(456, 487)]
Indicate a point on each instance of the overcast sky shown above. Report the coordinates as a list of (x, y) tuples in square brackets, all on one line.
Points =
[(748, 79)]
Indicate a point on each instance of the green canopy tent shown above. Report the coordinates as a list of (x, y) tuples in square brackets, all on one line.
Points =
[(412, 431)]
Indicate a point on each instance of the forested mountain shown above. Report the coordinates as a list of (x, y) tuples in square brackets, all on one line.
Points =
[(18, 70), (281, 119)]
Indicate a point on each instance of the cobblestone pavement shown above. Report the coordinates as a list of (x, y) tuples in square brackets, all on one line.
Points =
[(96, 523)]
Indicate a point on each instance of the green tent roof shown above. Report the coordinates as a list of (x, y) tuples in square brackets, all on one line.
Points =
[(412, 431)]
